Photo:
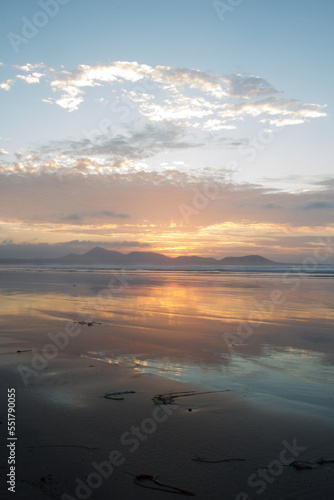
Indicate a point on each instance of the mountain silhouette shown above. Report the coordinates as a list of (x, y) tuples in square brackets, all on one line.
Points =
[(99, 255)]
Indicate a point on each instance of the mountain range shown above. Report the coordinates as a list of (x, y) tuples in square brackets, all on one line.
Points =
[(100, 255)]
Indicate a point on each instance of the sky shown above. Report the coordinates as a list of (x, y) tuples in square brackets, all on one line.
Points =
[(187, 127)]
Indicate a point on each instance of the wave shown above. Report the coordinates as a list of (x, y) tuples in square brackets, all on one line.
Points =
[(321, 270)]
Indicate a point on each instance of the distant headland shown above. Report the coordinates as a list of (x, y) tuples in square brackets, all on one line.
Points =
[(98, 256)]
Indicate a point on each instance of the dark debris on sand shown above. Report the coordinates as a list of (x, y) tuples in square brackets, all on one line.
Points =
[(116, 395), (88, 323)]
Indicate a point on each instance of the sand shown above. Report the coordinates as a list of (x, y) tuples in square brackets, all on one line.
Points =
[(87, 425), (212, 445)]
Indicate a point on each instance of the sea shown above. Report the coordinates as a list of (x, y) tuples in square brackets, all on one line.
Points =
[(266, 333)]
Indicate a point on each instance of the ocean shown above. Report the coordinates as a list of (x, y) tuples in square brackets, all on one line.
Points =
[(266, 333)]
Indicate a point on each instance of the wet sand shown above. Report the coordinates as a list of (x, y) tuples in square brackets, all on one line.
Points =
[(88, 425), (65, 425)]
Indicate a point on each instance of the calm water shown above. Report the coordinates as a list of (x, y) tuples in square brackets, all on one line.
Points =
[(266, 334)]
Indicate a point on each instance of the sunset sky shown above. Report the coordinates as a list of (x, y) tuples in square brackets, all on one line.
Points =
[(183, 127)]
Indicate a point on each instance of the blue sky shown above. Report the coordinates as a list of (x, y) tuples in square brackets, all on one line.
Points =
[(117, 114)]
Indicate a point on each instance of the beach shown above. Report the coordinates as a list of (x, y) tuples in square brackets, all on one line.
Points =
[(166, 250), (147, 384)]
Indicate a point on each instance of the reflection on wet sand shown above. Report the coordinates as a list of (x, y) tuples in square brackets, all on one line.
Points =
[(173, 324)]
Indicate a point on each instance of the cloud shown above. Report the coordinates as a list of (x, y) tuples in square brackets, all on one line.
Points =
[(180, 95), (215, 125), (114, 180), (72, 217), (102, 153), (325, 183), (157, 202), (76, 217), (29, 250), (181, 108), (126, 244), (3, 152), (316, 205), (32, 78), (272, 205), (106, 213), (73, 83), (7, 84), (122, 202), (245, 86), (267, 206), (293, 111), (190, 101), (105, 243), (29, 67)]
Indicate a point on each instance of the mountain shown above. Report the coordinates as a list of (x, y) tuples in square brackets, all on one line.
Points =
[(97, 255), (100, 256), (248, 260)]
